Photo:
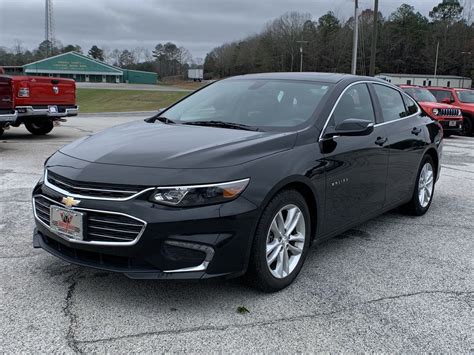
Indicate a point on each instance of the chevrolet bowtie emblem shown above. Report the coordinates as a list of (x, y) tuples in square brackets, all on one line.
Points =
[(70, 201)]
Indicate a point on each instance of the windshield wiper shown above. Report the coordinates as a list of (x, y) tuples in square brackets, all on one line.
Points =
[(223, 124), (159, 118)]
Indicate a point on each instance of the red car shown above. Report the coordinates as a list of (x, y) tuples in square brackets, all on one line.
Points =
[(37, 102), (449, 116), (462, 98)]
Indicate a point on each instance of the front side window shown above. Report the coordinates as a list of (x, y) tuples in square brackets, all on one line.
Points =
[(391, 102), (252, 102), (354, 103), (466, 96)]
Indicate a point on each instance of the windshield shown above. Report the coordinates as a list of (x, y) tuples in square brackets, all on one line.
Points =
[(251, 102), (466, 96), (421, 95)]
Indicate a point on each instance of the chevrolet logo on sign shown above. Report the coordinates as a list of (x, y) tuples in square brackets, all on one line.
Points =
[(56, 90), (70, 201)]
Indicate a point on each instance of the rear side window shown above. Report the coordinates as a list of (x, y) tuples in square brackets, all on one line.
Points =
[(354, 103), (410, 105), (391, 102)]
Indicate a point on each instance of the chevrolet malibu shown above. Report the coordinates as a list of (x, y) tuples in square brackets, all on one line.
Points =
[(238, 178)]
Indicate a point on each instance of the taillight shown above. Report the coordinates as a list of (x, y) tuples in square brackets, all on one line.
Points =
[(24, 92)]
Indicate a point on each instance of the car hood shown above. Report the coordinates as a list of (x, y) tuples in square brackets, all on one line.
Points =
[(159, 145), (433, 105)]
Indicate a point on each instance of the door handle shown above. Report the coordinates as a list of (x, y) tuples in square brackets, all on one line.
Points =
[(381, 141), (416, 131)]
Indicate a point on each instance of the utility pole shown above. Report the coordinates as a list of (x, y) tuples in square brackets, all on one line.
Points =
[(301, 53), (436, 61), (356, 37), (373, 49)]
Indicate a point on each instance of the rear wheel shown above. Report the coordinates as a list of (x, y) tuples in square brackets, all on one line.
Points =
[(39, 127), (424, 188), (281, 242)]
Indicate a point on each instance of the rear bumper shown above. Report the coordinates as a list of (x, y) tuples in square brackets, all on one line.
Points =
[(30, 111), (8, 118)]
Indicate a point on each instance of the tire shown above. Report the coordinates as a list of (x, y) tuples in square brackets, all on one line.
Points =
[(467, 127), (40, 127), (1, 131), (268, 277), (415, 207)]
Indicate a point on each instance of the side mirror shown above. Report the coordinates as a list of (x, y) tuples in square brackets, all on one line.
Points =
[(447, 100), (352, 127)]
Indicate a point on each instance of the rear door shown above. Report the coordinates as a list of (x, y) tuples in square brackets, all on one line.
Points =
[(406, 131), (6, 97), (356, 166)]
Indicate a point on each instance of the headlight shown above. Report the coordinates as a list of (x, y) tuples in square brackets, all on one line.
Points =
[(435, 111), (198, 195), (459, 113)]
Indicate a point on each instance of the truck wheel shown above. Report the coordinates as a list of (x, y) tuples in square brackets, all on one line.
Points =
[(467, 127), (39, 128)]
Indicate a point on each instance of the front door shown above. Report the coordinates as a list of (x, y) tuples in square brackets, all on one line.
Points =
[(356, 166)]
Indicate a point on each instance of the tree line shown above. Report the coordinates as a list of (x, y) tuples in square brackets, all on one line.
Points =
[(407, 43)]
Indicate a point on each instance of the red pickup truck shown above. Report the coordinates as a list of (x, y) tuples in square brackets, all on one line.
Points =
[(462, 98), (37, 102), (449, 116)]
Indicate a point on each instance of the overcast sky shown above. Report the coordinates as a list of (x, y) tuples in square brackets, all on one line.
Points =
[(198, 25)]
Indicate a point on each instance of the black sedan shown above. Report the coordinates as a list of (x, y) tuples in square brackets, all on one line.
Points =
[(240, 177)]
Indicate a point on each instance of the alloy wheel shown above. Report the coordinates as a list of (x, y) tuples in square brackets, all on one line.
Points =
[(285, 241), (425, 185)]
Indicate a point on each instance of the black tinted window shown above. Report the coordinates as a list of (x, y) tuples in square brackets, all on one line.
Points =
[(391, 102), (354, 103), (254, 102), (410, 104), (442, 94)]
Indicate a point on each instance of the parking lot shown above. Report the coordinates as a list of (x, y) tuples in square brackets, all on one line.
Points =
[(395, 283)]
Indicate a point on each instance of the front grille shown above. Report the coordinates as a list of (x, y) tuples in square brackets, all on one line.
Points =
[(100, 226), (449, 112), (92, 189)]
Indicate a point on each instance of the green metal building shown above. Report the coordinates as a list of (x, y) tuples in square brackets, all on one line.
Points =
[(84, 69)]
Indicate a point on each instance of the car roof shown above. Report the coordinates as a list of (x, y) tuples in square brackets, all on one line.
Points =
[(446, 88), (307, 76)]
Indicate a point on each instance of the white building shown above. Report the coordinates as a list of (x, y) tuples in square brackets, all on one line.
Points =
[(427, 80)]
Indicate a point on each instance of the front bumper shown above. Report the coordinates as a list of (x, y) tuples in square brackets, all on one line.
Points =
[(8, 118), (193, 243), (62, 111), (447, 127)]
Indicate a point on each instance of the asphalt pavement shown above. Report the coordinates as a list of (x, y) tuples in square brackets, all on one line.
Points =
[(395, 283)]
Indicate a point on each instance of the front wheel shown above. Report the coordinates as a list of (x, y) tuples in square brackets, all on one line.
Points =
[(467, 127), (424, 188), (40, 127), (281, 242)]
